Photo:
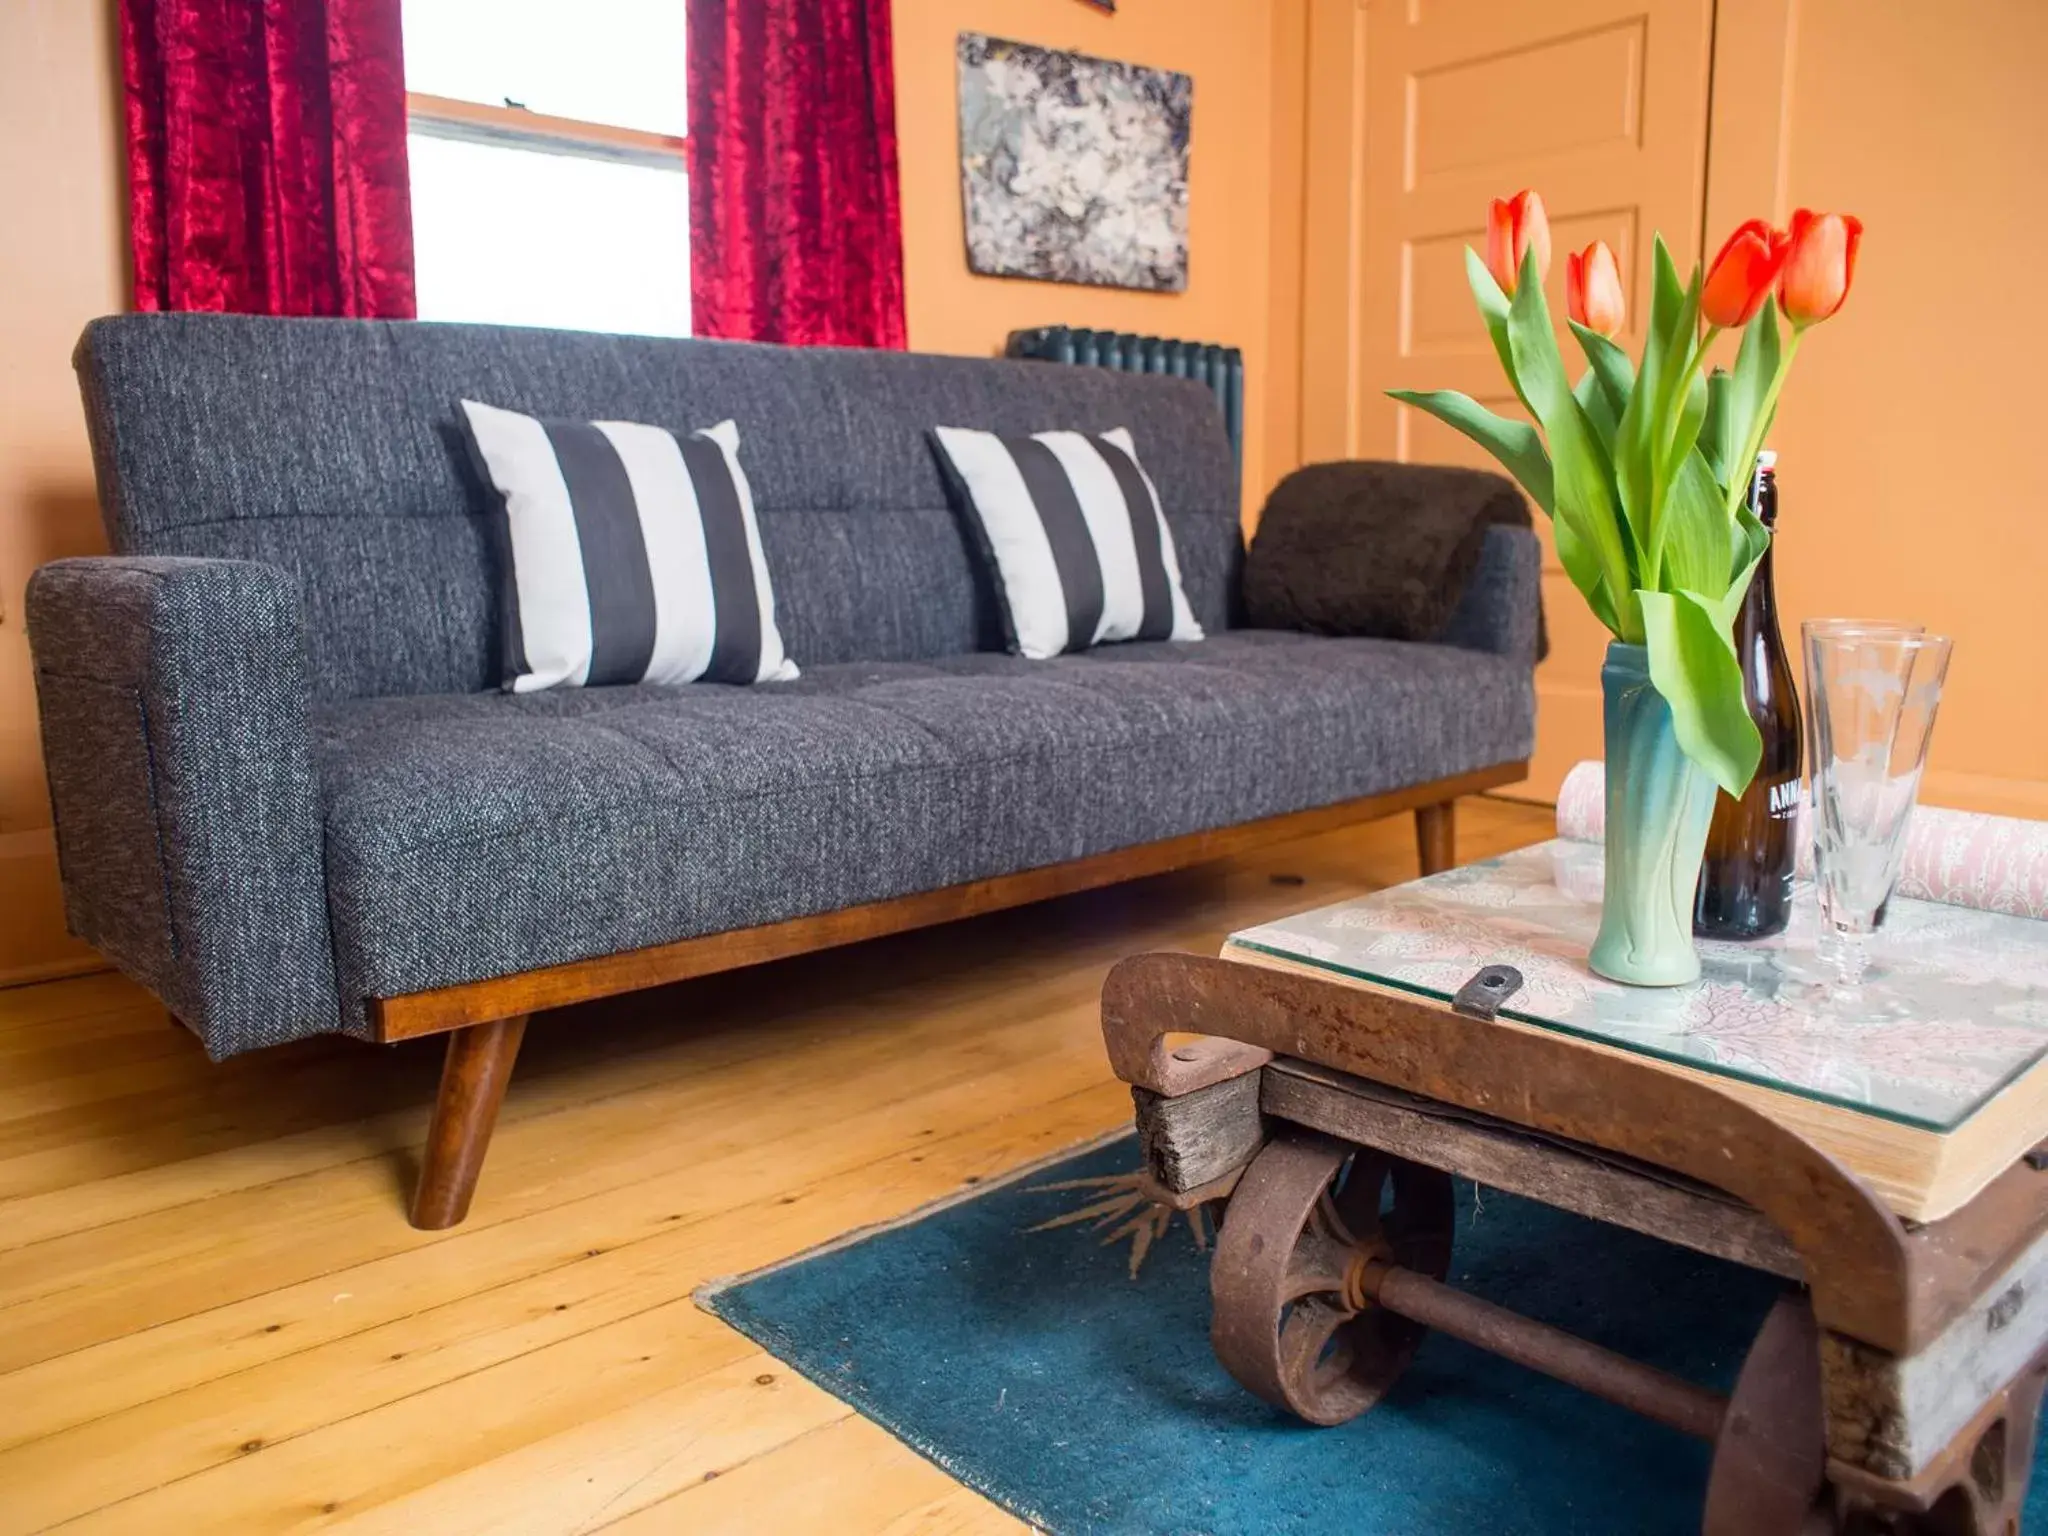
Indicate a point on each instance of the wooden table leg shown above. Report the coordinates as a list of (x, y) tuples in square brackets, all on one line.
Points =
[(473, 1079), (1436, 836)]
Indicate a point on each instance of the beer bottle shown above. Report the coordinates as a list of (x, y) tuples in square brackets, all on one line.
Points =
[(1745, 889)]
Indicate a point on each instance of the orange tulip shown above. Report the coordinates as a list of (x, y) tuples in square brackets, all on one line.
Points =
[(1514, 226), (1820, 265), (1742, 275), (1592, 289)]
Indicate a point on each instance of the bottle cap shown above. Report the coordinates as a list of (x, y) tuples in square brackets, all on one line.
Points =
[(1767, 460)]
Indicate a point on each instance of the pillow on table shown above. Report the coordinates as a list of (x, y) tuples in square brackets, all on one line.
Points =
[(1072, 526), (630, 555)]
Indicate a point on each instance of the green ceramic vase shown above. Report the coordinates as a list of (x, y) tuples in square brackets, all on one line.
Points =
[(1659, 806)]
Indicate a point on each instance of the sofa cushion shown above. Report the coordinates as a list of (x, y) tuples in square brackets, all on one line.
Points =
[(471, 836), (627, 553), (1072, 531)]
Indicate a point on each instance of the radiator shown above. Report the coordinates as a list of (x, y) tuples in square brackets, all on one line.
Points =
[(1221, 368)]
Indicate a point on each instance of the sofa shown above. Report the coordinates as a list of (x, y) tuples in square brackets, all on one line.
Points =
[(290, 797)]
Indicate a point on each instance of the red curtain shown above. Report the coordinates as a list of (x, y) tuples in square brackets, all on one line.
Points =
[(796, 229), (266, 156)]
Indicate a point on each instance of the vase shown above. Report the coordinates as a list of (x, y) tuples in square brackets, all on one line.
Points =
[(1659, 805)]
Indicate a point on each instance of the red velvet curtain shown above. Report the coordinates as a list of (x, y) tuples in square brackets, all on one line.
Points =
[(266, 156), (796, 229)]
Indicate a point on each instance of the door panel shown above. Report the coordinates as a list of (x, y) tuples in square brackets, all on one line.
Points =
[(1420, 112), (1463, 117)]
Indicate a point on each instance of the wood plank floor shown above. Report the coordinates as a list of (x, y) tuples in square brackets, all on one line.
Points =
[(214, 1318)]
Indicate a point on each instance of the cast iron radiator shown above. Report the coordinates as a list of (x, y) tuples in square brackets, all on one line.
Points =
[(1221, 368)]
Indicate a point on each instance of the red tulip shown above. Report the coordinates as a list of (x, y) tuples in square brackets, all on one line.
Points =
[(1820, 266), (1592, 289), (1513, 228), (1742, 275)]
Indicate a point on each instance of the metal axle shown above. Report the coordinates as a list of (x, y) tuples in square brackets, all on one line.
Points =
[(1643, 1388)]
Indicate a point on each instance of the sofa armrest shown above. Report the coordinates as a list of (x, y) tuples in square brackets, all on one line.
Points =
[(174, 696), (1501, 609)]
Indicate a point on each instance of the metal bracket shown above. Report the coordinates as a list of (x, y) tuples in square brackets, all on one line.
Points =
[(1490, 986)]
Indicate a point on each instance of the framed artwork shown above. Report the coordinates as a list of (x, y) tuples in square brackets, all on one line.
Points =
[(1073, 169)]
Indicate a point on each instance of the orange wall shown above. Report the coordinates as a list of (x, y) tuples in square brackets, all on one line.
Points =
[(61, 263), (1229, 47), (1914, 482)]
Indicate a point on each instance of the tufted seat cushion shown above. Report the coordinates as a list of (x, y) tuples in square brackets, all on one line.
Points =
[(476, 835)]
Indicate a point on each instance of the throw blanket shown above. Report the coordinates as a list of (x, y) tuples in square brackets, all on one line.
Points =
[(1368, 548), (1963, 858)]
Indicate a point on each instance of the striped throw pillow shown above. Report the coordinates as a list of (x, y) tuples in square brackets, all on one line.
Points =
[(631, 554), (1082, 553)]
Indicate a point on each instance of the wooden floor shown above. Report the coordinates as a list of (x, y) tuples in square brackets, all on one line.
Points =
[(214, 1318)]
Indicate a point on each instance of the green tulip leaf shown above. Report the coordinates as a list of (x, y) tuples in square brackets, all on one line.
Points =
[(1584, 473), (1493, 309), (1719, 439), (1617, 374), (1680, 416), (1698, 538), (1639, 443), (1583, 567), (1514, 443), (1756, 360), (1599, 408), (1667, 294), (1692, 418), (1693, 665), (1752, 539), (1749, 388)]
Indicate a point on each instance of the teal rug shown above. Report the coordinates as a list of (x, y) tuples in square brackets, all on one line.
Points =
[(1029, 1366)]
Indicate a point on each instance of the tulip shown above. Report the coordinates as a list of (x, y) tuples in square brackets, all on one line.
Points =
[(1742, 275), (1514, 227), (1592, 289), (1819, 266)]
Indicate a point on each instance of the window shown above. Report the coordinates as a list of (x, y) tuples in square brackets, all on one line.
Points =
[(548, 178)]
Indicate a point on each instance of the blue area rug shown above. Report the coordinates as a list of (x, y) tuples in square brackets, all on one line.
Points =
[(1029, 1366)]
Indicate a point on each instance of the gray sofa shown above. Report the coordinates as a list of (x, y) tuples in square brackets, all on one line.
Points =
[(290, 799)]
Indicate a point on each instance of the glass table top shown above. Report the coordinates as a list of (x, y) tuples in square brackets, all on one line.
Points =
[(1967, 991)]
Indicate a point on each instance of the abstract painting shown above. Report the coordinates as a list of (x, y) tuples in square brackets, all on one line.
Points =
[(1074, 169)]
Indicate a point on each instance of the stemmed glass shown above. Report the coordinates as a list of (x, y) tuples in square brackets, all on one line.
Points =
[(1872, 693)]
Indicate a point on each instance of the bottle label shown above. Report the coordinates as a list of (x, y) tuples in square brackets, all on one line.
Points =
[(1784, 799)]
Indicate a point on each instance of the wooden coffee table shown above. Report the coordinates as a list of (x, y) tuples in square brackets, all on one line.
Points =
[(1329, 1073)]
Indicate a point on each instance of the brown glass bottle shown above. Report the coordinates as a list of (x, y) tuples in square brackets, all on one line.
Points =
[(1745, 889)]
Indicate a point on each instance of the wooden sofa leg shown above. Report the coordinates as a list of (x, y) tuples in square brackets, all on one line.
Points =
[(473, 1079), (1436, 835)]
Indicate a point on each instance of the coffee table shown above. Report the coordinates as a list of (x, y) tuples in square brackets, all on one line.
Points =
[(1327, 1074)]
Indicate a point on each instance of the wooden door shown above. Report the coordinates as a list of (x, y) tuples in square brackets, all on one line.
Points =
[(1420, 111)]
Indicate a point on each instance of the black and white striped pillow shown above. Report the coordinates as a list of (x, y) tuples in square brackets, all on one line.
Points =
[(632, 557), (1081, 550)]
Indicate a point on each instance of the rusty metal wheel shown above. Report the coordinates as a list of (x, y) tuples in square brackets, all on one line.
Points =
[(1290, 1321), (1770, 1459)]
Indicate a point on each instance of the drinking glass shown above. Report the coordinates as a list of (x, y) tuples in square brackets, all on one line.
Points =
[(1872, 691), (1828, 943)]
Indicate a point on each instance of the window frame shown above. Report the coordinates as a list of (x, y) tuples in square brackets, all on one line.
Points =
[(509, 127)]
